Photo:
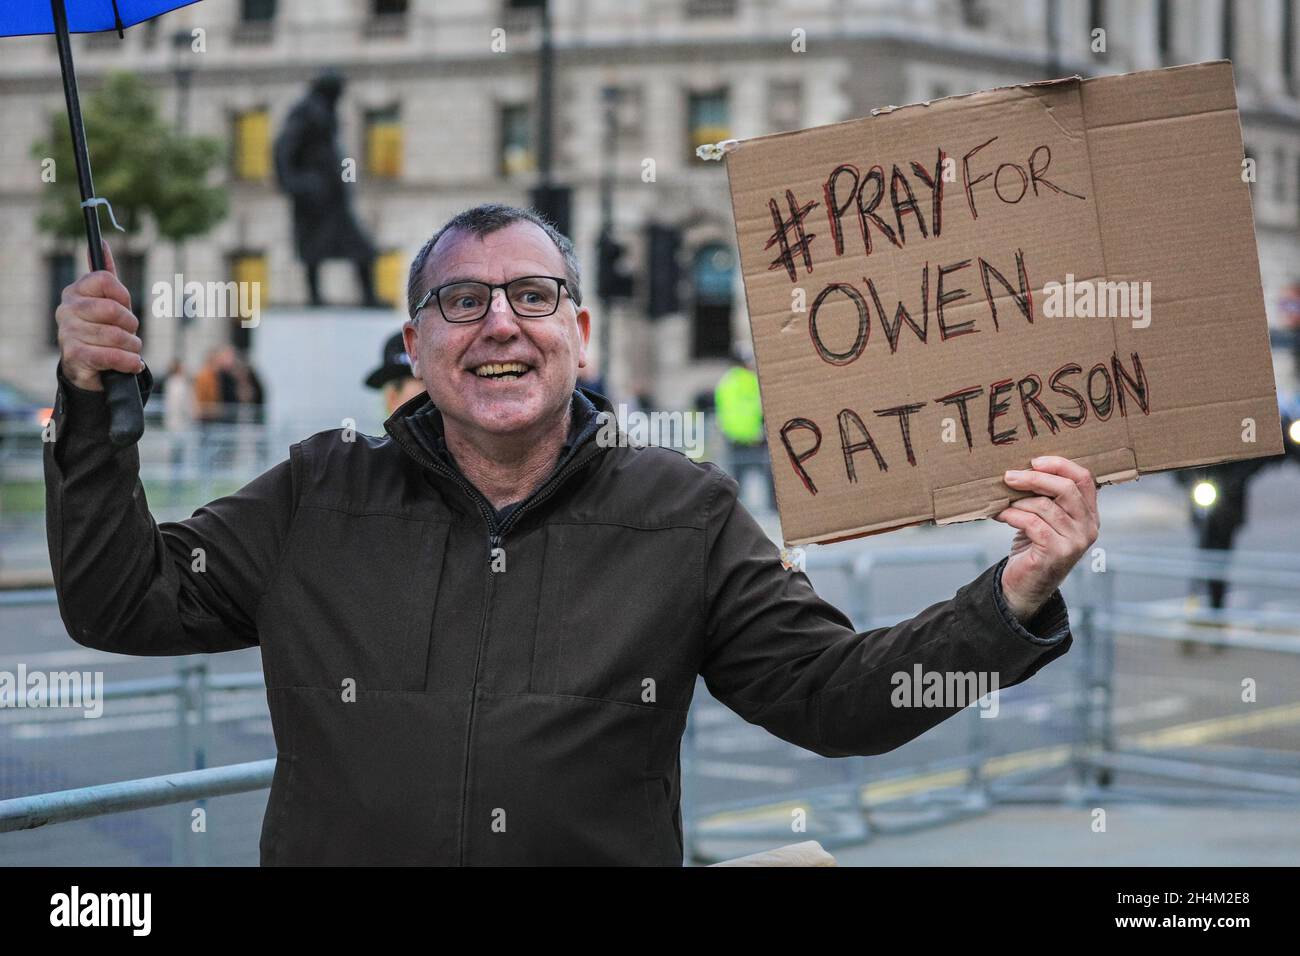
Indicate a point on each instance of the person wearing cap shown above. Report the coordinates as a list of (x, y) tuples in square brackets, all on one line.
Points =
[(394, 376), (481, 634)]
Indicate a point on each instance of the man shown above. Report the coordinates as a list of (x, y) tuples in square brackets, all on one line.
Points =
[(519, 695), (393, 377)]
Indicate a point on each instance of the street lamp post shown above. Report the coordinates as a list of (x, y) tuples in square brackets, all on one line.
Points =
[(609, 99), (1053, 39), (181, 41)]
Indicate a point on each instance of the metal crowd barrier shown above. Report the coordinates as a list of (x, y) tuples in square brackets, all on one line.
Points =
[(846, 812), (855, 807), (1239, 776), (191, 686)]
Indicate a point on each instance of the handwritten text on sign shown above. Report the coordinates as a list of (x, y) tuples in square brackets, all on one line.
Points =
[(901, 206)]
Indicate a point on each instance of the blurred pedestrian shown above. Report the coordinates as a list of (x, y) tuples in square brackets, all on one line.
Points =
[(207, 387), (739, 408), (1290, 308), (179, 405), (394, 376), (242, 389), (179, 410), (1218, 508), (592, 380)]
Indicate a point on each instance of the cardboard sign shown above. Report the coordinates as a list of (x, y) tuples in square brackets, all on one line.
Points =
[(943, 291)]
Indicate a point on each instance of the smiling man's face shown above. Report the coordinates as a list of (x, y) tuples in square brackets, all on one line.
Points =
[(459, 363)]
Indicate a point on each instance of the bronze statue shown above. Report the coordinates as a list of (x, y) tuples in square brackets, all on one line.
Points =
[(309, 168)]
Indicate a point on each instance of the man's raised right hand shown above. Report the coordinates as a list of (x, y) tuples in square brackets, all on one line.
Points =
[(97, 328)]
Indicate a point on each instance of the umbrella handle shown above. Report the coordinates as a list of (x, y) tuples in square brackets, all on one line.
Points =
[(125, 411)]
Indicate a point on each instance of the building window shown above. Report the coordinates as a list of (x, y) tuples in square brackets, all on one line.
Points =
[(629, 110), (710, 8), (387, 18), (248, 268), (1228, 29), (784, 105), (516, 131), (107, 40), (390, 276), (256, 21), (61, 268), (708, 117), (252, 153), (384, 143), (1288, 44), (256, 11), (974, 14), (1097, 21), (713, 272), (521, 16), (1164, 31), (1279, 174), (64, 268)]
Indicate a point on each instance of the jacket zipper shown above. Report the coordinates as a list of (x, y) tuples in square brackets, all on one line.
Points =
[(494, 539), (495, 536)]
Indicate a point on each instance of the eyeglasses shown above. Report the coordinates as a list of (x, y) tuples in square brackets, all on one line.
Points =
[(531, 297)]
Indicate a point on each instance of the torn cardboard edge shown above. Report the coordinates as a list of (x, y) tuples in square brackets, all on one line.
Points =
[(729, 146), (987, 495)]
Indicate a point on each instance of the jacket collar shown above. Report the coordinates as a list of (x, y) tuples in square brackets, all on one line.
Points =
[(417, 427)]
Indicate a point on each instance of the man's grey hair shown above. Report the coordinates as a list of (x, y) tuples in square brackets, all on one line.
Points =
[(479, 222)]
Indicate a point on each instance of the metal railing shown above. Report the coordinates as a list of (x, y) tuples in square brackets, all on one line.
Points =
[(1080, 766), (191, 686), (839, 813), (1217, 774)]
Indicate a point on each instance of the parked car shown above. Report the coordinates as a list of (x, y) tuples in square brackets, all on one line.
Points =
[(22, 416)]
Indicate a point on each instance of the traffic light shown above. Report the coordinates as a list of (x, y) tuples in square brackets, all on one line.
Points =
[(613, 279), (663, 272), (554, 203)]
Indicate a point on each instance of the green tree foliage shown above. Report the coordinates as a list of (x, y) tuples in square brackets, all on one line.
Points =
[(141, 164)]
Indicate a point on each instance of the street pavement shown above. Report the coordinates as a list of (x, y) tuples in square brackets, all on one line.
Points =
[(1137, 835)]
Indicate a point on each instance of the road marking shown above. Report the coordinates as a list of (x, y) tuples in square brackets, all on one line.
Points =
[(725, 770), (77, 658), (1218, 728), (1148, 710), (78, 726), (1182, 735)]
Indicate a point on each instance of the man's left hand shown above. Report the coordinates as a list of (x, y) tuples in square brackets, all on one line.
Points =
[(1054, 528)]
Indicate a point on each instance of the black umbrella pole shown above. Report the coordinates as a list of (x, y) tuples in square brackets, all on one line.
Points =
[(125, 411)]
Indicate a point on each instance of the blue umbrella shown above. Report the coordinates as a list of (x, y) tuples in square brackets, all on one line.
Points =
[(32, 17)]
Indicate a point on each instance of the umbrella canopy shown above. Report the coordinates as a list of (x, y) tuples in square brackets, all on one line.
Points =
[(28, 17), (62, 17)]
